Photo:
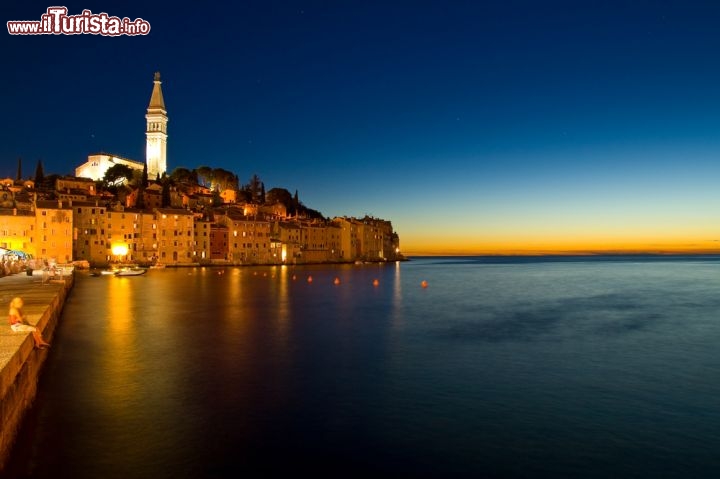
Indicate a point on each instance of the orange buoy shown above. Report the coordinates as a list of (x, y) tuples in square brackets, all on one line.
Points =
[(424, 284), (309, 279), (337, 281), (376, 282)]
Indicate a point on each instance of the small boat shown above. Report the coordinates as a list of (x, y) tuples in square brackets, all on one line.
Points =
[(130, 272), (157, 266)]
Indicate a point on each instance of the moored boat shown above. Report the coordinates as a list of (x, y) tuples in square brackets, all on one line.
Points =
[(130, 272)]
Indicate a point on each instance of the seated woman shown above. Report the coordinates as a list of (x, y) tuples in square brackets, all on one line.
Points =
[(18, 324)]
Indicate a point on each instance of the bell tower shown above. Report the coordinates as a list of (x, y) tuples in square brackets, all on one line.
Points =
[(156, 133)]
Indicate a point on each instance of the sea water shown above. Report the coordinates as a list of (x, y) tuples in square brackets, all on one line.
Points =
[(500, 367)]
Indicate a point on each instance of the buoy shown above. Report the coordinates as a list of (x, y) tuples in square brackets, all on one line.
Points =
[(376, 282), (424, 284), (337, 281), (309, 279)]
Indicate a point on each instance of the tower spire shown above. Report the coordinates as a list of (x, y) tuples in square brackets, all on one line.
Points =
[(156, 133), (156, 99)]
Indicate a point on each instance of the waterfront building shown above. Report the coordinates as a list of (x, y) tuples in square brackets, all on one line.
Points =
[(286, 236), (102, 232), (17, 230), (175, 238), (89, 220), (120, 233), (53, 232), (219, 242), (320, 242), (376, 239), (350, 246), (201, 232), (145, 237), (249, 238)]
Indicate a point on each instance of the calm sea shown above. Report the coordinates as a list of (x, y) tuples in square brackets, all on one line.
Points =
[(525, 367)]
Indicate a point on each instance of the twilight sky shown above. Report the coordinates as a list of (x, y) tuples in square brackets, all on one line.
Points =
[(476, 127)]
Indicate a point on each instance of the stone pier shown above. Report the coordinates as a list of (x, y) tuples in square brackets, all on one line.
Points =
[(20, 362)]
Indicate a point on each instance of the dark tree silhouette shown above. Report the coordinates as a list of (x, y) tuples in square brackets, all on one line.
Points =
[(204, 175), (140, 202), (117, 172), (280, 195), (223, 179), (165, 193), (184, 176), (39, 173), (254, 188), (19, 170)]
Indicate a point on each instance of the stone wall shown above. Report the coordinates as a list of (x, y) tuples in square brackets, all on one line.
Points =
[(19, 377)]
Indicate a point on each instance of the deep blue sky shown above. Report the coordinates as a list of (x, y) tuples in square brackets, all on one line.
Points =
[(482, 121)]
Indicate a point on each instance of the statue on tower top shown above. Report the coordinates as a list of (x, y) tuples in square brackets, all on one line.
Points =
[(157, 76)]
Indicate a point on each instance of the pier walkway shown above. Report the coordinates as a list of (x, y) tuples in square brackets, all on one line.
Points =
[(20, 362)]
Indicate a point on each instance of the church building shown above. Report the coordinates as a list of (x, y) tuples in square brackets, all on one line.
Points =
[(155, 144)]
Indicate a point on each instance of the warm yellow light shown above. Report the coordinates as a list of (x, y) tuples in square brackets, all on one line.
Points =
[(119, 249)]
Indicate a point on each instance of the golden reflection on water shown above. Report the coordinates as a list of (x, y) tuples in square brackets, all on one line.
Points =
[(283, 316), (119, 385), (120, 329), (397, 316)]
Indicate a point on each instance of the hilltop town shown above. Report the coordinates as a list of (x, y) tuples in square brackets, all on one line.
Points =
[(118, 210), (176, 221)]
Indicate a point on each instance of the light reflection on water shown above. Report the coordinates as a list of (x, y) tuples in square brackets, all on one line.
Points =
[(497, 369)]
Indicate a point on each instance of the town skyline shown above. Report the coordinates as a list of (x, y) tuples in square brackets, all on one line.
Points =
[(476, 128)]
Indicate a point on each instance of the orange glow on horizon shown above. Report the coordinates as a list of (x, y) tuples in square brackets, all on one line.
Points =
[(562, 246)]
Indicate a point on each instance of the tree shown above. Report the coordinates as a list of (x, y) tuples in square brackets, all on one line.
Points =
[(262, 193), (296, 203), (223, 179), (118, 174), (184, 176), (140, 202), (39, 174), (19, 170), (216, 198), (204, 175), (144, 182), (49, 182), (280, 195), (254, 188), (165, 193)]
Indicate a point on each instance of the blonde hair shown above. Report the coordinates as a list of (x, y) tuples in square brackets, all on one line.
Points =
[(16, 302)]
